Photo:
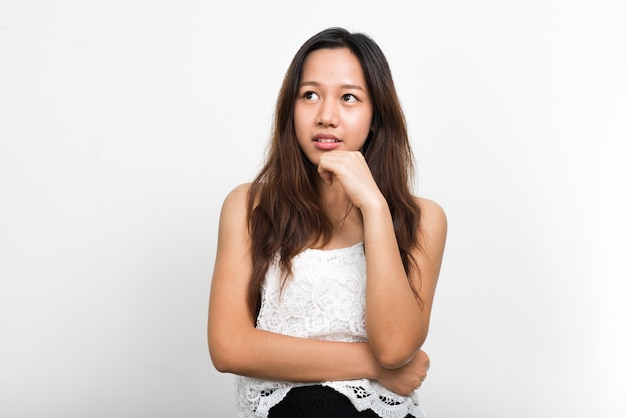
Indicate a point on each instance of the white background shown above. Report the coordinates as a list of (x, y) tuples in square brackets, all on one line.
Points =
[(123, 124)]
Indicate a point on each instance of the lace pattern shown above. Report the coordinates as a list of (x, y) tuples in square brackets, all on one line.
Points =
[(325, 300)]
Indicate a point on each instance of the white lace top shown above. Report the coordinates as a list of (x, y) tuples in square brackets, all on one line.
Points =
[(325, 300)]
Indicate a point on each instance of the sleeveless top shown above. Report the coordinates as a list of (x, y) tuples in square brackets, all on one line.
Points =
[(324, 299)]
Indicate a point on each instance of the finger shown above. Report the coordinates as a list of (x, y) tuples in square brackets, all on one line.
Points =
[(327, 176)]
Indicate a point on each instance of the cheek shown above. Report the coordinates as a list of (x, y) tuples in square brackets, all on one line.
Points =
[(299, 119), (362, 125), (302, 134), (298, 129)]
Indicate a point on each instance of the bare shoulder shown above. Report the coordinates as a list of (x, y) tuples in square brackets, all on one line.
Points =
[(234, 210), (238, 196), (431, 209), (434, 222)]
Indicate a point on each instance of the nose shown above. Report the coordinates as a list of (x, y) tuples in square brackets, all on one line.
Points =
[(328, 114)]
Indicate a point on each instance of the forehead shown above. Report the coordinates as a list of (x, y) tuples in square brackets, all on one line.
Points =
[(338, 65)]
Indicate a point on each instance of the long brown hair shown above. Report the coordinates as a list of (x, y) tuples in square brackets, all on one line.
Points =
[(285, 212)]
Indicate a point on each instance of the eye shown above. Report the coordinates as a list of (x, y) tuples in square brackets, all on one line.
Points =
[(350, 98), (310, 95)]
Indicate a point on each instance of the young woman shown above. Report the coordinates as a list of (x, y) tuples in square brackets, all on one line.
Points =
[(326, 264)]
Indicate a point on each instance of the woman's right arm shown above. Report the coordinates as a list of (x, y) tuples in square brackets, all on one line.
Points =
[(236, 346)]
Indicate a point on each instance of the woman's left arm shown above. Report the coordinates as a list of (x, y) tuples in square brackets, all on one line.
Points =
[(397, 324)]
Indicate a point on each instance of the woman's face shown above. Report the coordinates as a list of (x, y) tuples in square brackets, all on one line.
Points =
[(333, 109)]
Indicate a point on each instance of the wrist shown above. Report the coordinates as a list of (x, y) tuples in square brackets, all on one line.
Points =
[(375, 206), (374, 370)]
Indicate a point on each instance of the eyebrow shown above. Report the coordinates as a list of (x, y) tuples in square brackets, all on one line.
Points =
[(343, 86)]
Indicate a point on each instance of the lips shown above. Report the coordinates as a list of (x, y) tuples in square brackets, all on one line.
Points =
[(326, 142)]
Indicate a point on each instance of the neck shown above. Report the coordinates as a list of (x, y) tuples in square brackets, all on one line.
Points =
[(345, 217), (336, 202)]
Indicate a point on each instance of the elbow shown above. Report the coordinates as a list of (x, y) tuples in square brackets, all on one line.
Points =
[(220, 361), (223, 354), (230, 345), (223, 360), (395, 354), (394, 358), (221, 365)]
